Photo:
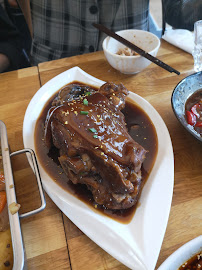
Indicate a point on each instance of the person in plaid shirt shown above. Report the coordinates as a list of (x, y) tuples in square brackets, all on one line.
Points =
[(64, 28)]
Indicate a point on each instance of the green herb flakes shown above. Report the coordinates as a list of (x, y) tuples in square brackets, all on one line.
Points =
[(93, 130), (84, 112), (85, 102)]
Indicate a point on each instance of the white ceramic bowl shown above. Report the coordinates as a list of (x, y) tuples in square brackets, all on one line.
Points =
[(130, 64), (183, 254)]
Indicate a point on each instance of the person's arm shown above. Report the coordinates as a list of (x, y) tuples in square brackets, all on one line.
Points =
[(4, 62), (10, 45), (182, 13)]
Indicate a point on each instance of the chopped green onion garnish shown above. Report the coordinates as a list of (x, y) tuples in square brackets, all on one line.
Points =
[(88, 93), (95, 136), (85, 102), (93, 130), (84, 112)]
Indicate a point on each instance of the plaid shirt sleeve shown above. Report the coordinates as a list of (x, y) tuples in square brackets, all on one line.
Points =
[(64, 28)]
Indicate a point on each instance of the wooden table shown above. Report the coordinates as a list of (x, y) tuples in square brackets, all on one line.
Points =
[(51, 240)]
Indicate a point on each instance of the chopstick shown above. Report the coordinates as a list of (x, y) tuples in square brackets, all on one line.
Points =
[(135, 48)]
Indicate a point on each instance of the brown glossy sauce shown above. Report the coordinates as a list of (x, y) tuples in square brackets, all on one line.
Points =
[(141, 130), (195, 263)]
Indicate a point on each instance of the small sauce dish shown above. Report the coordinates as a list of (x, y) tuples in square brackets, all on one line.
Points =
[(130, 64), (182, 255)]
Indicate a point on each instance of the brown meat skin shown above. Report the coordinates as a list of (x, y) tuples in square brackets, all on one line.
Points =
[(95, 148)]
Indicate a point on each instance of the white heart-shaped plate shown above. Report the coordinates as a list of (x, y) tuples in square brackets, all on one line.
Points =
[(138, 243)]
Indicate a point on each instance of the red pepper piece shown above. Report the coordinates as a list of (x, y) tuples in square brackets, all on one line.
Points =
[(2, 200), (191, 118), (194, 109), (198, 124)]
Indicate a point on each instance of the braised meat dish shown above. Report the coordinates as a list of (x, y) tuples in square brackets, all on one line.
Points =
[(95, 149)]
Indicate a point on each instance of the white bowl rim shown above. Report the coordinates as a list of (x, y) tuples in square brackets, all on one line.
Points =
[(183, 254), (130, 56)]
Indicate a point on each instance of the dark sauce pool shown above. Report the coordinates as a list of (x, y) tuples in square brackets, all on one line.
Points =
[(193, 264), (141, 130)]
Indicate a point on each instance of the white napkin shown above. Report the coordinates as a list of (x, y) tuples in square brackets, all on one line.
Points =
[(181, 38)]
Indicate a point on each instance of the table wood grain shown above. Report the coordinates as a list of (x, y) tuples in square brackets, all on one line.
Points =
[(44, 235), (51, 240)]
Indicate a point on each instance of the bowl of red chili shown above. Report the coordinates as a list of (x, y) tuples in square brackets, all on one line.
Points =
[(187, 104)]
